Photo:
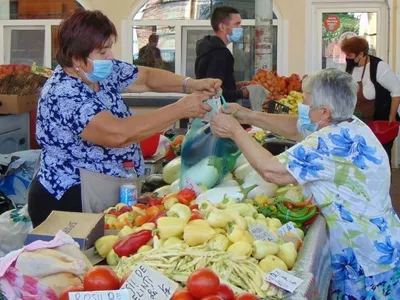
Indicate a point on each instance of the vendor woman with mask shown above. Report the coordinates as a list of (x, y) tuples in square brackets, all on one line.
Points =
[(378, 97), (85, 129)]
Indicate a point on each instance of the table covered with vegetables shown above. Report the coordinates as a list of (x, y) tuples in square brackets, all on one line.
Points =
[(241, 228)]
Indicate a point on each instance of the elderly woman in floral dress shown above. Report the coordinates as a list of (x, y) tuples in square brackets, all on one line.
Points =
[(341, 162)]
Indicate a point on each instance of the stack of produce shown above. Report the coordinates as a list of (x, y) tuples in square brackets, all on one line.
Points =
[(292, 101), (278, 86), (19, 80)]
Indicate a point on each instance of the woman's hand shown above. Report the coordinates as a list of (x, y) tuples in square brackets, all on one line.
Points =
[(208, 86), (242, 114), (225, 126), (193, 106)]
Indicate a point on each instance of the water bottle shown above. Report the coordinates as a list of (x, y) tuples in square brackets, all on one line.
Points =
[(128, 190)]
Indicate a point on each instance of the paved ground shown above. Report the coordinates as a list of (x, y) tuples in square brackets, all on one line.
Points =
[(395, 190)]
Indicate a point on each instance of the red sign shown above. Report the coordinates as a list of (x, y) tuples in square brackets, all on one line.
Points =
[(332, 23)]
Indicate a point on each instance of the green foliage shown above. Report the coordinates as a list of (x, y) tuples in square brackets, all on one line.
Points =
[(348, 22)]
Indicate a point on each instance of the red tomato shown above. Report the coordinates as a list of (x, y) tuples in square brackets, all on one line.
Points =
[(196, 216), (186, 196), (182, 295), (246, 296), (202, 283), (101, 278), (213, 297), (65, 292), (225, 292), (125, 278)]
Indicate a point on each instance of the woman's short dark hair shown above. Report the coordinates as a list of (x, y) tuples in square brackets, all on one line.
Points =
[(355, 45), (221, 14), (81, 33)]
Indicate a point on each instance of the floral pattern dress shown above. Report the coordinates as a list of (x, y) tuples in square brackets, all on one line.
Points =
[(65, 108), (346, 166)]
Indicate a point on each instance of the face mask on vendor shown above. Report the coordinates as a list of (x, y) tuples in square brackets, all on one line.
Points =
[(101, 70), (304, 124), (354, 62)]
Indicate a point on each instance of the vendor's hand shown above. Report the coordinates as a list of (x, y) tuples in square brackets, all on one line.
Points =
[(392, 118), (242, 84), (208, 86), (193, 106), (225, 126), (241, 114)]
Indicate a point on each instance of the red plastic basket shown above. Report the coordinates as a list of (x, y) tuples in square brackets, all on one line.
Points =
[(385, 131), (149, 146)]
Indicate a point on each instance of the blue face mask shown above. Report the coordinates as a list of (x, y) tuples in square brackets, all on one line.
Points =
[(236, 36), (101, 70), (304, 124)]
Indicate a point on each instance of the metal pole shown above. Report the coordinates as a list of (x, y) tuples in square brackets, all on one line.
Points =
[(264, 35)]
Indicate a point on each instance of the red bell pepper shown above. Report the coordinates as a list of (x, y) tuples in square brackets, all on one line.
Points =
[(154, 202), (196, 215), (194, 206), (186, 196), (131, 243)]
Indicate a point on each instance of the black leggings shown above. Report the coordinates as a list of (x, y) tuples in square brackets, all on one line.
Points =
[(388, 148), (41, 203)]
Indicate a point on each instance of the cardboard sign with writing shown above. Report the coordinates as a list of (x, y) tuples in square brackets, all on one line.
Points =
[(146, 283), (100, 295), (288, 227), (283, 280), (261, 233)]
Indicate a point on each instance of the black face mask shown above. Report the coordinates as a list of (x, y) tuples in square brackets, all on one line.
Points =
[(351, 63)]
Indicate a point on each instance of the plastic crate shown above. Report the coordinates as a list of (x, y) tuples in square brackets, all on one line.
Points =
[(277, 108)]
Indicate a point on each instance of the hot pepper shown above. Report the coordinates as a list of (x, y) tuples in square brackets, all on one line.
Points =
[(288, 203), (186, 196), (131, 243)]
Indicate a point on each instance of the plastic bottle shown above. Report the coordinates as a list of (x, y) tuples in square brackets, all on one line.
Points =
[(128, 191)]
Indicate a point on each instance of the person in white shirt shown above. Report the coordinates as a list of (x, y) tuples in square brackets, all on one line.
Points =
[(379, 95)]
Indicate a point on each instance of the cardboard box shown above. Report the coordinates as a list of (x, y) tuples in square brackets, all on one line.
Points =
[(13, 104), (85, 229)]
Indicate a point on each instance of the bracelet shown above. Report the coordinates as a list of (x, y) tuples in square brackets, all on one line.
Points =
[(185, 85)]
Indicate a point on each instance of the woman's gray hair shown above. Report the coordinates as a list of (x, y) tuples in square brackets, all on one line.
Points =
[(335, 89)]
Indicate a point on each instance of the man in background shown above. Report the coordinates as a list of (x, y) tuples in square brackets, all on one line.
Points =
[(150, 55), (214, 60)]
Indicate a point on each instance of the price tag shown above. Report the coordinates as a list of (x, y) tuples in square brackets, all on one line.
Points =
[(146, 283), (100, 295), (283, 280), (288, 227), (192, 186), (261, 233)]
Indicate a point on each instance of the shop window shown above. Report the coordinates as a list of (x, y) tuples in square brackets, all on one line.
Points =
[(186, 15), (37, 9), (154, 46), (191, 9)]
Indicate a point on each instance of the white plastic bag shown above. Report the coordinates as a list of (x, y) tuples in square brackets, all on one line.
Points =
[(15, 225)]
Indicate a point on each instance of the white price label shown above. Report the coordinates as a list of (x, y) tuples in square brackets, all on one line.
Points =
[(100, 295), (283, 280), (146, 283), (188, 184), (261, 233), (288, 227)]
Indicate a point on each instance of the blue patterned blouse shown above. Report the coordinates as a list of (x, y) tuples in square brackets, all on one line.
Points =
[(65, 108)]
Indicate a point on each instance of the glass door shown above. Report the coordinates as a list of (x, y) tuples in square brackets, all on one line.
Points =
[(337, 26)]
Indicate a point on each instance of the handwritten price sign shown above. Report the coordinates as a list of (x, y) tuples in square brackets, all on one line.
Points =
[(146, 283), (259, 232), (100, 295), (283, 280)]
